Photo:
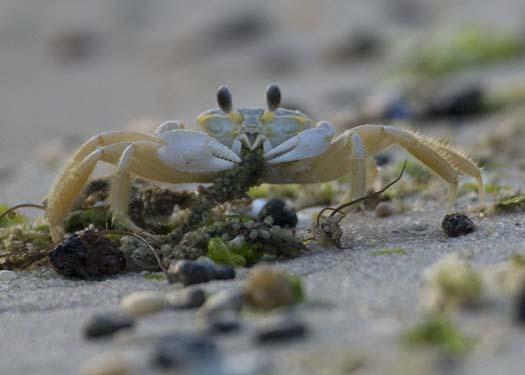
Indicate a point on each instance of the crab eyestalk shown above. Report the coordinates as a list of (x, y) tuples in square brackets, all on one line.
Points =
[(224, 99), (273, 97)]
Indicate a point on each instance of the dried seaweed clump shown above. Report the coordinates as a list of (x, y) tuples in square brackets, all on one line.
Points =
[(21, 243)]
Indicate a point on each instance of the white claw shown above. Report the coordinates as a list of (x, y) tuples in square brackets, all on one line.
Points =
[(307, 144), (195, 152)]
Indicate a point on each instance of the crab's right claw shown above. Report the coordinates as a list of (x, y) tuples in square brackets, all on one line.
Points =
[(307, 144), (195, 152)]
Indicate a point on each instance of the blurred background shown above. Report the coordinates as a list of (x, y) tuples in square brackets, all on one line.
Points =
[(70, 69)]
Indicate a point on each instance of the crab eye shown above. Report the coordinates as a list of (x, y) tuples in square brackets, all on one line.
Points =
[(224, 99), (273, 97)]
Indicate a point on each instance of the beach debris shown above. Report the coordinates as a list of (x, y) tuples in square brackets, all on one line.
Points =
[(87, 255), (281, 214), (106, 324), (189, 272), (449, 283), (280, 328), (268, 287), (457, 224), (106, 364), (143, 303), (515, 203), (384, 209), (182, 350), (187, 298), (439, 332)]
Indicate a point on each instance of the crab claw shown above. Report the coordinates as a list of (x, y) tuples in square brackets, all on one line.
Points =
[(195, 152), (307, 144)]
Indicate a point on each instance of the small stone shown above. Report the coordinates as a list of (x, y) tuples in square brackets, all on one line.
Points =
[(384, 209), (224, 322), (105, 364), (280, 329), (223, 272), (177, 350), (226, 300), (456, 224), (186, 299), (519, 307), (6, 275), (268, 287), (190, 272), (107, 324), (87, 255), (143, 303), (456, 101), (282, 214)]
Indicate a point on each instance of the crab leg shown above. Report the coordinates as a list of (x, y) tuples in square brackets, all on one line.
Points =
[(439, 157)]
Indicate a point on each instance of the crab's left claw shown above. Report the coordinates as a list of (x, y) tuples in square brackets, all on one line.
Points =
[(195, 152), (307, 144)]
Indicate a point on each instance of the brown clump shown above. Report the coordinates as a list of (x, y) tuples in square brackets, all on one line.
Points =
[(87, 255), (267, 287)]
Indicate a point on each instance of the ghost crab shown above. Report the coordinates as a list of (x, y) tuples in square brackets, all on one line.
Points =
[(294, 151)]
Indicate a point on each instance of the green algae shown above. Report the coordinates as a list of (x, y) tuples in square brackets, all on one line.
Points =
[(439, 332), (511, 204), (466, 48), (390, 251)]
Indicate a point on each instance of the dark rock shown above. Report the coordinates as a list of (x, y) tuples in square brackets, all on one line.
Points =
[(107, 324), (224, 301), (282, 329), (223, 272), (224, 322), (186, 299), (382, 159), (519, 307), (456, 224), (87, 255), (456, 102), (75, 46), (282, 214), (190, 272), (178, 350)]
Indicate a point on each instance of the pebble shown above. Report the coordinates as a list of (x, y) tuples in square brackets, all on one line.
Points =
[(192, 298), (107, 324), (268, 287), (457, 224), (177, 350), (384, 209), (106, 364), (282, 328), (257, 206), (6, 275), (282, 214), (143, 303), (190, 272), (458, 101), (223, 322), (519, 307), (203, 270), (226, 300)]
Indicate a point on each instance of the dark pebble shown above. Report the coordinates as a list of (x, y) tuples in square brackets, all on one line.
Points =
[(224, 322), (178, 350), (189, 272), (87, 255), (186, 299), (456, 102), (455, 225), (282, 214), (382, 159), (283, 329), (519, 307), (102, 325), (224, 272)]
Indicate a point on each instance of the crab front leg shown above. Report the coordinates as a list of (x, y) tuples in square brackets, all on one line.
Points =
[(306, 144), (198, 159)]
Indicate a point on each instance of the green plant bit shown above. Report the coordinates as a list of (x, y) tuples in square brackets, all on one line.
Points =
[(511, 204), (5, 218), (439, 332), (390, 251)]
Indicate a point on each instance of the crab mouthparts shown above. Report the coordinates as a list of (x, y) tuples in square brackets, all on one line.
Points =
[(252, 141)]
